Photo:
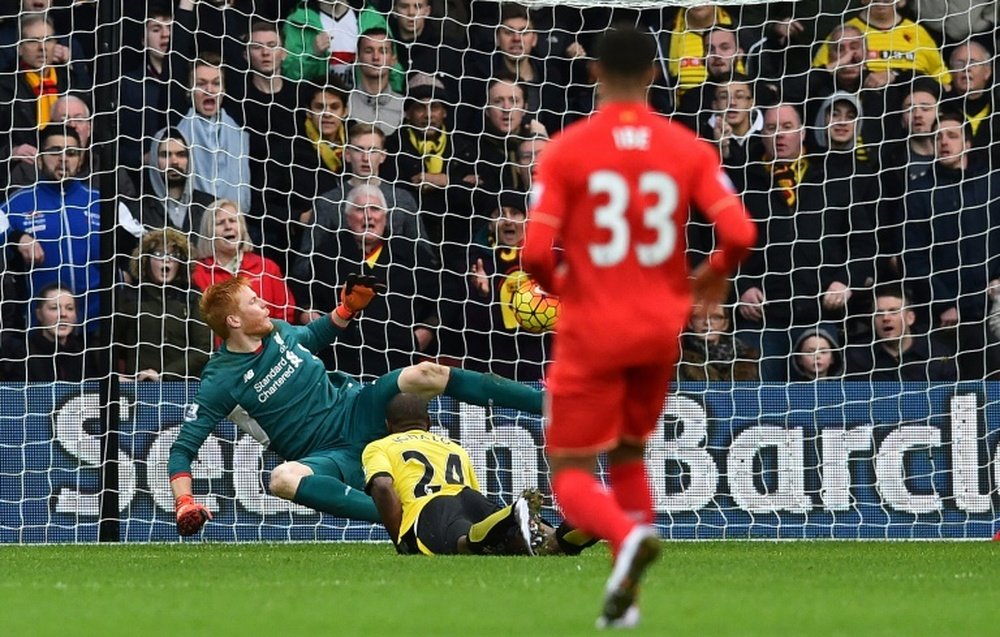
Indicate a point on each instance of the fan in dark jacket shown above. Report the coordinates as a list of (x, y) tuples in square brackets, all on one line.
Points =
[(53, 349), (399, 326), (952, 240), (157, 325), (710, 352)]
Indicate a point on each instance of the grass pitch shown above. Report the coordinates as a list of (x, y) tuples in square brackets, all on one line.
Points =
[(706, 588)]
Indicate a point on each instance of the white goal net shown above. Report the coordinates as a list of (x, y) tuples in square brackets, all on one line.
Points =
[(150, 149)]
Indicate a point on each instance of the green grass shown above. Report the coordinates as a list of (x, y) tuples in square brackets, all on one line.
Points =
[(710, 588)]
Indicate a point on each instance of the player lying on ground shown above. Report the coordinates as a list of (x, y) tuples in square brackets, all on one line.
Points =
[(319, 422), (428, 496)]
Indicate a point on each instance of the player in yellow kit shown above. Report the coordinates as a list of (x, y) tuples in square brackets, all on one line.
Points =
[(426, 491)]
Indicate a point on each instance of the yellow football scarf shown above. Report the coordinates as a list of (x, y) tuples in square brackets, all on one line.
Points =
[(372, 257), (975, 119), (331, 154), (786, 177), (46, 89), (431, 150)]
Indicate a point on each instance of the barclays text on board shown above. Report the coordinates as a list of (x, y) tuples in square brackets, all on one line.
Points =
[(843, 460)]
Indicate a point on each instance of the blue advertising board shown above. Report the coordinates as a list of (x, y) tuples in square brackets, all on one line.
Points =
[(827, 460)]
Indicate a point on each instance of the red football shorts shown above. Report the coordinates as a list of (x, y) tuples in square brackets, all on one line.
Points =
[(589, 412)]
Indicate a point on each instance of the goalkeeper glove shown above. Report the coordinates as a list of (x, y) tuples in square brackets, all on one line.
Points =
[(357, 293), (191, 516)]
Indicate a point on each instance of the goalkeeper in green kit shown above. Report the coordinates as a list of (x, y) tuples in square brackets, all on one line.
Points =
[(266, 378)]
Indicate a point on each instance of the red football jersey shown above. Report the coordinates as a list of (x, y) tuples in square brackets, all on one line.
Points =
[(613, 192)]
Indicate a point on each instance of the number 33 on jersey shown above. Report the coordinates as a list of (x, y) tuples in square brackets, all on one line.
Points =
[(613, 193)]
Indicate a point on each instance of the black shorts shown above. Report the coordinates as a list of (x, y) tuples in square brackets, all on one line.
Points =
[(445, 519)]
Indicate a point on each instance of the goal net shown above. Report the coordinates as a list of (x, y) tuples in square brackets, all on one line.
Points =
[(152, 149)]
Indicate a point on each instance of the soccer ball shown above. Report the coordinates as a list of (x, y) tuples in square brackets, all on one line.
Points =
[(534, 310)]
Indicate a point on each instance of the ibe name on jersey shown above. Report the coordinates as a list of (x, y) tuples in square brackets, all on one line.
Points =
[(631, 137)]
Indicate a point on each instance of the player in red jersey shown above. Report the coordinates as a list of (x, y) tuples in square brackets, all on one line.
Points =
[(613, 192)]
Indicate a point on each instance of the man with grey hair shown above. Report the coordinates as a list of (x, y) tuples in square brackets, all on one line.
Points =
[(398, 325), (363, 159)]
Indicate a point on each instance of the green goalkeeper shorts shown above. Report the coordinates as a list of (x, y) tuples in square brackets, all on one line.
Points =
[(366, 423)]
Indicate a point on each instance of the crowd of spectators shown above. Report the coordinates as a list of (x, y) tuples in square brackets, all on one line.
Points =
[(296, 142)]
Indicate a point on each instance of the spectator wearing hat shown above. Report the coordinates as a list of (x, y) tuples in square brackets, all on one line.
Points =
[(847, 163), (816, 355), (419, 160), (847, 71)]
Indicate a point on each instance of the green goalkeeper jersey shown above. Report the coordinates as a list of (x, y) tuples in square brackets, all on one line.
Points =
[(294, 406)]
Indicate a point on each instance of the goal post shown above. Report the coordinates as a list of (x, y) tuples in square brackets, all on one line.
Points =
[(87, 420)]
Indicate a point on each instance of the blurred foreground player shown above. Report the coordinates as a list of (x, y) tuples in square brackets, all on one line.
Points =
[(267, 379), (613, 192)]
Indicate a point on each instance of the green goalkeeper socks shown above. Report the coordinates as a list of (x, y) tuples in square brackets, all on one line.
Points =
[(332, 496), (484, 389)]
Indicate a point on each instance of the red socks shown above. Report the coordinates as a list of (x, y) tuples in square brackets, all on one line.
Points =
[(631, 489), (590, 507)]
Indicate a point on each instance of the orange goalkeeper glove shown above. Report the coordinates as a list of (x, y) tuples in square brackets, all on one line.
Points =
[(191, 516), (357, 293)]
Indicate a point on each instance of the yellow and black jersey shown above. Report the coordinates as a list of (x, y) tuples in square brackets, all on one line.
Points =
[(905, 47), (422, 466), (686, 51)]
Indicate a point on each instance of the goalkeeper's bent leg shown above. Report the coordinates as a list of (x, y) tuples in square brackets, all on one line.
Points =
[(330, 495), (485, 389)]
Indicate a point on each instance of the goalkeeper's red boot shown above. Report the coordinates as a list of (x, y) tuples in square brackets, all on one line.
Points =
[(996, 536)]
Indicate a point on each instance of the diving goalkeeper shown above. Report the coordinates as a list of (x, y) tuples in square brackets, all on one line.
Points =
[(268, 380)]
